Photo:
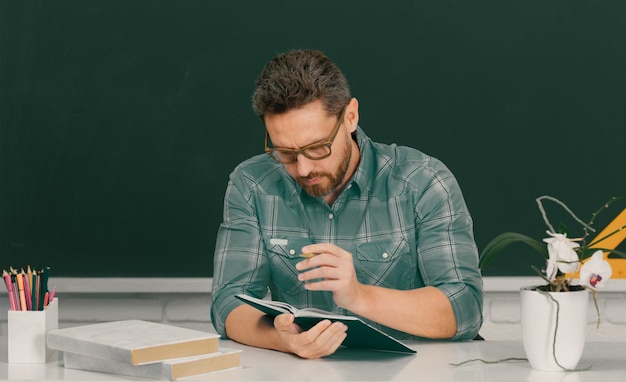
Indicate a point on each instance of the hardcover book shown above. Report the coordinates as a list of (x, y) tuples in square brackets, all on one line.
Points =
[(225, 359), (359, 334), (133, 341)]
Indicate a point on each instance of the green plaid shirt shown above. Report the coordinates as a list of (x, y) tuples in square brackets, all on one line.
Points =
[(402, 217)]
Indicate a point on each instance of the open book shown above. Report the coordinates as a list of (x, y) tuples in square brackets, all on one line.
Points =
[(360, 334)]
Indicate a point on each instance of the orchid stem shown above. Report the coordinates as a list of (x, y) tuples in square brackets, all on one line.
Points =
[(566, 208)]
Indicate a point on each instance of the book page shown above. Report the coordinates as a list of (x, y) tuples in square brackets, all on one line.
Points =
[(284, 307), (314, 312), (279, 305)]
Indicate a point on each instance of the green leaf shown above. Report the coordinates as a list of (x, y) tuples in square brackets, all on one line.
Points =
[(500, 242), (616, 252)]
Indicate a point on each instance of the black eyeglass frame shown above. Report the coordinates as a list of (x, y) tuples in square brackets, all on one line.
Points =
[(328, 143)]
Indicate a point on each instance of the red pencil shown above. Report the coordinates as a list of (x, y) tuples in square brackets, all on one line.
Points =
[(29, 299), (38, 293), (9, 283)]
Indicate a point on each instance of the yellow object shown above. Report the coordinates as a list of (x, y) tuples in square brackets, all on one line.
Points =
[(617, 264)]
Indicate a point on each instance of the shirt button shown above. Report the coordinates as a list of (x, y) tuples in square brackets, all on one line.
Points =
[(331, 216), (385, 255), (292, 251)]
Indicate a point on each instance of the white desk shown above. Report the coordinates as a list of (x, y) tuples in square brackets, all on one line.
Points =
[(431, 363)]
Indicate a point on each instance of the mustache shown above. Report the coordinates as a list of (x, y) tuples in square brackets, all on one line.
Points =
[(313, 175)]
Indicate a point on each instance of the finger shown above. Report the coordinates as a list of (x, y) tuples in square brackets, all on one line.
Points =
[(322, 260), (317, 330), (318, 273), (320, 248), (332, 333), (304, 344), (330, 339), (326, 339), (285, 323), (335, 286), (336, 339)]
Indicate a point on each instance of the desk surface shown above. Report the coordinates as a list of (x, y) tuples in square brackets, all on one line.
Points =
[(431, 363)]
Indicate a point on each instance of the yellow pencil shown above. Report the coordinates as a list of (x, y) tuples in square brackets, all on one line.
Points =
[(308, 255)]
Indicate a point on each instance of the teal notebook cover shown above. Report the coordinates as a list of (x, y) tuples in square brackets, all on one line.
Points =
[(359, 334)]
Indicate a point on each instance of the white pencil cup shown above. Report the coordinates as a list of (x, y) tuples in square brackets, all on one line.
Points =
[(27, 333)]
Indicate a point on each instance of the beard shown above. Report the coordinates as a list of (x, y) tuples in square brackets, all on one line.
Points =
[(334, 179)]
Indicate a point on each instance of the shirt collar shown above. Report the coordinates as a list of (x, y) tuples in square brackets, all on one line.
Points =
[(362, 177)]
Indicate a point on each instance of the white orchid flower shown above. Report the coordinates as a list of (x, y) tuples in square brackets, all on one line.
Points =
[(561, 254), (595, 272)]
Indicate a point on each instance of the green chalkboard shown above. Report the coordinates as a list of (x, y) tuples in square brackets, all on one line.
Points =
[(121, 120)]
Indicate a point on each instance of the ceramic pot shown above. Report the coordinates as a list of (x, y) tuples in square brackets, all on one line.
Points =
[(546, 314)]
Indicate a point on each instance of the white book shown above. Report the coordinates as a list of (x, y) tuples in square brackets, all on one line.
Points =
[(175, 369), (133, 341)]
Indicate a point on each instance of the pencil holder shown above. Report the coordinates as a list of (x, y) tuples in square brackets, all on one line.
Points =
[(27, 333)]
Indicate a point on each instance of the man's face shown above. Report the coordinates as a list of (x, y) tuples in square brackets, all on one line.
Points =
[(309, 125)]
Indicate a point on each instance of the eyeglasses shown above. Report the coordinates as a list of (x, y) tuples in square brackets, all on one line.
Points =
[(315, 151)]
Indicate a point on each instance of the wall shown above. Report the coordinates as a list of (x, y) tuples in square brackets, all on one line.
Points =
[(121, 120), (87, 301)]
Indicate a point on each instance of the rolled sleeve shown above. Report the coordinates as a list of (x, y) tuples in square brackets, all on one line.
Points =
[(239, 262), (447, 253)]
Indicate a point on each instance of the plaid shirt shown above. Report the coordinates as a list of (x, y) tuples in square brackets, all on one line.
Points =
[(402, 216)]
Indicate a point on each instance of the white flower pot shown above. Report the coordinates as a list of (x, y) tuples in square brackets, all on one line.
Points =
[(539, 324)]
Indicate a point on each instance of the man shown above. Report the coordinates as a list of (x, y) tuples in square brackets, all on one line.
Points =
[(388, 225)]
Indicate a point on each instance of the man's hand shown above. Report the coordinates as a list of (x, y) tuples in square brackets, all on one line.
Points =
[(321, 340), (332, 269)]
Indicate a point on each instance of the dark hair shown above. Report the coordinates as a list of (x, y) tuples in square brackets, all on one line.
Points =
[(294, 79)]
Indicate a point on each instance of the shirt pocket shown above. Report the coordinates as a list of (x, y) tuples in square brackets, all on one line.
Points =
[(388, 263), (283, 255)]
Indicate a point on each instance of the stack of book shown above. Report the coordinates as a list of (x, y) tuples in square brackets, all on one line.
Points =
[(142, 349)]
